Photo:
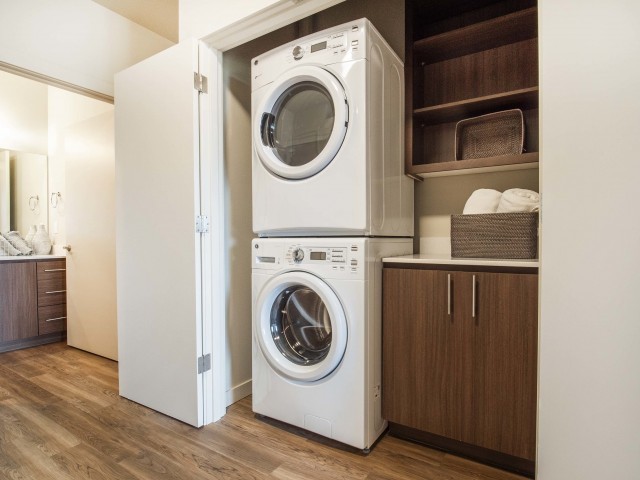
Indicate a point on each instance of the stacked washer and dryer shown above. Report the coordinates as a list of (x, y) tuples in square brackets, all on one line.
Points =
[(330, 199)]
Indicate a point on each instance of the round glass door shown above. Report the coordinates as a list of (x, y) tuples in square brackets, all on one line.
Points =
[(301, 125), (300, 326)]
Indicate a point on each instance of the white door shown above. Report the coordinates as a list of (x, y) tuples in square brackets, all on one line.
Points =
[(164, 287), (89, 212)]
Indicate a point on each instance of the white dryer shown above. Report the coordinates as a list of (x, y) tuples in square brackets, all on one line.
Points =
[(328, 137), (317, 333)]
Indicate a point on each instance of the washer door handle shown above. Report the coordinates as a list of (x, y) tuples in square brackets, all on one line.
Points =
[(266, 129)]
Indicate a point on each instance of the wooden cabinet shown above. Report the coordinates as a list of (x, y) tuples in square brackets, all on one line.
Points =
[(32, 302), (459, 361), (465, 59), (18, 301), (52, 296)]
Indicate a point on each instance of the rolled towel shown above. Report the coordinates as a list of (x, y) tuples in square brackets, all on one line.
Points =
[(519, 200), (6, 248), (19, 243), (484, 200)]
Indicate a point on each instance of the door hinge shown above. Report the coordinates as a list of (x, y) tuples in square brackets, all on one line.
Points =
[(204, 363), (202, 224), (200, 82)]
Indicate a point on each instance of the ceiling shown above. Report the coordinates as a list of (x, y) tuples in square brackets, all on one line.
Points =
[(159, 16)]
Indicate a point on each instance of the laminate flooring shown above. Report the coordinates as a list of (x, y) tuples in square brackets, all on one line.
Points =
[(61, 418)]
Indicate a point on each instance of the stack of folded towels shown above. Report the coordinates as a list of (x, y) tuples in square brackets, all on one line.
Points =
[(487, 200), (12, 243)]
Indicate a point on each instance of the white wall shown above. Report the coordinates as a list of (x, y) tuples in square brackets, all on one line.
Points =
[(242, 20), (23, 114), (76, 41), (589, 390)]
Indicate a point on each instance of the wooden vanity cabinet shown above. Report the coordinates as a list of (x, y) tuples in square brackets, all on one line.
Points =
[(33, 302), (18, 301), (459, 361)]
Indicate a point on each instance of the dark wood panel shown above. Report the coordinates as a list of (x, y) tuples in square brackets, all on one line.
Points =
[(18, 300), (52, 318), (50, 267), (423, 355), (52, 291), (489, 72), (505, 334), (62, 418), (492, 33)]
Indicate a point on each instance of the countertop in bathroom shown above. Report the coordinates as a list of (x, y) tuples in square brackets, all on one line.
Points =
[(19, 258)]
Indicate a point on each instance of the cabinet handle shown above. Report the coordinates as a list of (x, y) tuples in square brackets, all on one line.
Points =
[(55, 269), (55, 291), (473, 298), (54, 319), (449, 294)]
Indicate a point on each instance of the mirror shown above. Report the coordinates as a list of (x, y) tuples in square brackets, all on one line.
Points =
[(23, 191)]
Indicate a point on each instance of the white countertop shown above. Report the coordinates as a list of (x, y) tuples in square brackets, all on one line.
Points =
[(10, 258), (435, 259)]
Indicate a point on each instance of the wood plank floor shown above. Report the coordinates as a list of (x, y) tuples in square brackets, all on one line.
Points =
[(61, 418)]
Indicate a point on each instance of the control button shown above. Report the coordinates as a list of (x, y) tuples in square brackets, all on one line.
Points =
[(298, 52), (354, 43), (354, 28), (354, 262), (298, 255)]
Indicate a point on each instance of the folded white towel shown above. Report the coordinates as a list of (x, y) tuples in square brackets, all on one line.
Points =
[(18, 242), (484, 200), (6, 248), (519, 200)]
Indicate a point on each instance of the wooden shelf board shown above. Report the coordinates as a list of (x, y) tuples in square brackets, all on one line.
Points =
[(524, 98), (511, 28), (477, 165)]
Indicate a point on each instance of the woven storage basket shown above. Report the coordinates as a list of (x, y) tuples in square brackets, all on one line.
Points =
[(491, 135), (495, 235)]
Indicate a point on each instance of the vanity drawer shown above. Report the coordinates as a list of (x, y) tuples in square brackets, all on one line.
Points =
[(52, 291), (51, 270), (52, 319)]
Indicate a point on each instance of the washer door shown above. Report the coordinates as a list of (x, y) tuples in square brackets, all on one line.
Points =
[(300, 126), (300, 326)]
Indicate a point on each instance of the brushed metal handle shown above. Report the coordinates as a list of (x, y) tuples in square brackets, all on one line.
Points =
[(54, 319), (55, 269), (55, 291), (449, 294), (473, 298)]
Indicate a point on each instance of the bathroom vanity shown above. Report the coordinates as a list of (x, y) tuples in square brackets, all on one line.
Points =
[(33, 301)]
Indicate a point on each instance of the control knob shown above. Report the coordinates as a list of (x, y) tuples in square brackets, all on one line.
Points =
[(298, 255), (298, 52)]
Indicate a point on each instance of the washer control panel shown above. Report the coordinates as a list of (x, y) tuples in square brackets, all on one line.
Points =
[(297, 254)]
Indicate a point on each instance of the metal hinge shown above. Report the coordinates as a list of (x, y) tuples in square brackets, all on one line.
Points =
[(202, 224), (200, 82), (204, 363)]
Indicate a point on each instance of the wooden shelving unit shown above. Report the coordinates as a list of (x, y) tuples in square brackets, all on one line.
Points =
[(468, 63)]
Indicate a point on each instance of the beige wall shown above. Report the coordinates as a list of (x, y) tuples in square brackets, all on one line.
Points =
[(76, 41), (589, 376)]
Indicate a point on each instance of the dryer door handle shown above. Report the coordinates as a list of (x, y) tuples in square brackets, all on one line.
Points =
[(266, 129)]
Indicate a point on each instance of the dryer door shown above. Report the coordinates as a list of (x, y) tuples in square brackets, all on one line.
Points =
[(301, 123), (300, 326)]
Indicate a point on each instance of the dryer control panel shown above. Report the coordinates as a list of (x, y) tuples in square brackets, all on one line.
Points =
[(334, 46)]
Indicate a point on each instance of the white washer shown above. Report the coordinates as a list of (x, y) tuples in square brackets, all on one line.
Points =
[(328, 137), (317, 333)]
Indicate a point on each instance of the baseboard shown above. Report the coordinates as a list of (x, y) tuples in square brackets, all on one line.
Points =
[(238, 392)]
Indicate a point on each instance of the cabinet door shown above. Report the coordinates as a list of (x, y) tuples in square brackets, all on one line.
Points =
[(505, 336), (18, 301), (424, 373)]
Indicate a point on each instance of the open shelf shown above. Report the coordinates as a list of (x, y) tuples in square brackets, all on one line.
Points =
[(477, 165), (525, 98), (511, 28)]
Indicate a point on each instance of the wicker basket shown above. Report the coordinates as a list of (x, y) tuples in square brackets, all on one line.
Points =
[(495, 235), (491, 135)]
